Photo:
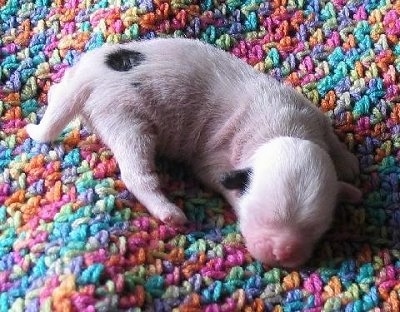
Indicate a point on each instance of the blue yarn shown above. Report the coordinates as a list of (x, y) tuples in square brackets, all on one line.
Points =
[(98, 226), (371, 299), (29, 106), (273, 54), (347, 272), (72, 159), (155, 285), (362, 106), (251, 23), (366, 274), (207, 5), (80, 233), (97, 40), (213, 292), (72, 248), (3, 215), (40, 268), (91, 275), (327, 12), (4, 302)]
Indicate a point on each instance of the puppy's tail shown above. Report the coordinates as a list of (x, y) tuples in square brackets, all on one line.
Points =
[(65, 100)]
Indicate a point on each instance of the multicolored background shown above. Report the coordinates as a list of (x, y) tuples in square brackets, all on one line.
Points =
[(73, 239)]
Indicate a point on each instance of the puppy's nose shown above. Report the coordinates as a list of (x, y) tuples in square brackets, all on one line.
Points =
[(285, 251)]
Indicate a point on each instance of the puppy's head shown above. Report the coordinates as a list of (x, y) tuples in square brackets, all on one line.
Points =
[(286, 200)]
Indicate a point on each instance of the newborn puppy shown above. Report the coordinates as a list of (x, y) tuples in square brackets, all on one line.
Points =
[(266, 148)]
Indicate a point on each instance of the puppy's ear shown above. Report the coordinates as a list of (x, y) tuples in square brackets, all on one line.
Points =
[(349, 193), (236, 179)]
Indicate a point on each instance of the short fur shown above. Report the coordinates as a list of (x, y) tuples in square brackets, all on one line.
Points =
[(195, 103)]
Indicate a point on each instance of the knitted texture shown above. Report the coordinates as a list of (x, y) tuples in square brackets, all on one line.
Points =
[(73, 239)]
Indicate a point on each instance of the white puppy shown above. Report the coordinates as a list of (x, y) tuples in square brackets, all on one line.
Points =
[(266, 148)]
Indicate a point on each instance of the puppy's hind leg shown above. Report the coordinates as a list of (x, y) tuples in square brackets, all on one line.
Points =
[(133, 146), (346, 164), (347, 169), (64, 102)]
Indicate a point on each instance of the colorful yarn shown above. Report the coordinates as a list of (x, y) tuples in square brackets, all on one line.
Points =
[(73, 239)]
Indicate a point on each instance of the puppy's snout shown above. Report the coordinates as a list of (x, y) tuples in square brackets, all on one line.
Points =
[(285, 251)]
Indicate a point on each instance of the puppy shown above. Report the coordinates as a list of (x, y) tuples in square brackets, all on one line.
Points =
[(261, 144)]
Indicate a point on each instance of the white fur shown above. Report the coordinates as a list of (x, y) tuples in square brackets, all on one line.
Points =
[(294, 219), (201, 105)]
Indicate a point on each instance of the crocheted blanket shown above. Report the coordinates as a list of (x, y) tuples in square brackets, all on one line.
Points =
[(73, 239)]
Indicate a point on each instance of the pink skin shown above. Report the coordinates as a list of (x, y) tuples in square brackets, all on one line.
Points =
[(286, 249), (195, 103)]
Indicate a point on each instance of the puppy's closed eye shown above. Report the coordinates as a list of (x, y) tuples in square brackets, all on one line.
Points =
[(236, 179)]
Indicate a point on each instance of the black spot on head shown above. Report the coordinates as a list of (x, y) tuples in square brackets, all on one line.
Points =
[(237, 180), (124, 59)]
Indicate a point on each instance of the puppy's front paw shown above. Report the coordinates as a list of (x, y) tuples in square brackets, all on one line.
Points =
[(36, 133), (347, 167), (172, 215)]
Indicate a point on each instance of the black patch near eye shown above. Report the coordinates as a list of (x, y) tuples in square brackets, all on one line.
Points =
[(124, 59), (236, 180)]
